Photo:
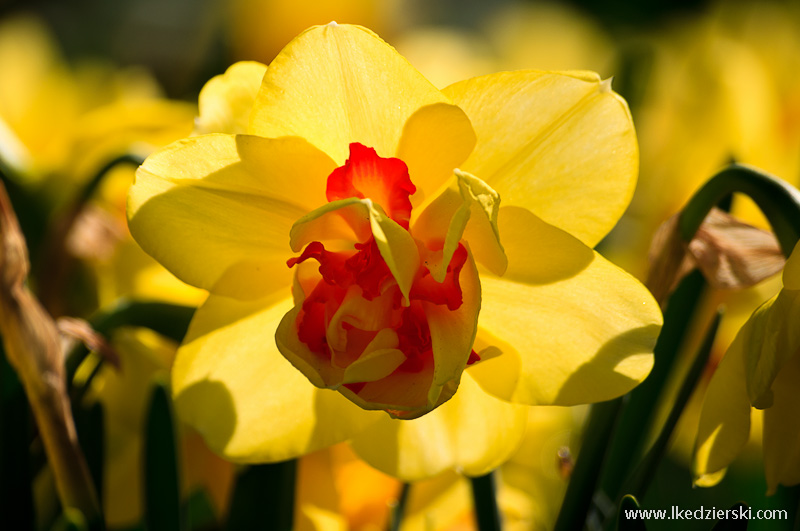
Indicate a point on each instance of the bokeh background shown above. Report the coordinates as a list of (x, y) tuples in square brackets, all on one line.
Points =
[(83, 81)]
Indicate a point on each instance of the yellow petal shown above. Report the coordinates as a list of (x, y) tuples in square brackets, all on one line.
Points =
[(472, 432), (216, 210), (443, 502), (782, 429), (317, 502), (365, 493), (560, 144), (338, 84), (770, 337), (123, 127), (233, 386), (226, 100), (573, 328), (791, 271), (436, 139), (725, 419)]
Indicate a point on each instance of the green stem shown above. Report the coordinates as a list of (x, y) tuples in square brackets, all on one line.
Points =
[(484, 497), (637, 416), (169, 320), (779, 202), (264, 498), (597, 434), (640, 479), (398, 511), (161, 467)]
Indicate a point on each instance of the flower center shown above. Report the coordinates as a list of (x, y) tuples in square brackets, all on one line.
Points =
[(356, 328)]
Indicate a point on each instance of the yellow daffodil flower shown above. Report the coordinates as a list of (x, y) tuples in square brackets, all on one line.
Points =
[(760, 370), (362, 269)]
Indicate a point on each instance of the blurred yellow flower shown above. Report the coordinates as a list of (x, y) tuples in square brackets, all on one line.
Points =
[(518, 35), (351, 157), (124, 393), (71, 120), (761, 370), (721, 87), (338, 491), (60, 124), (64, 124)]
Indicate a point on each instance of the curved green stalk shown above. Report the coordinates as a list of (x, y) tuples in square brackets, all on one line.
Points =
[(779, 201)]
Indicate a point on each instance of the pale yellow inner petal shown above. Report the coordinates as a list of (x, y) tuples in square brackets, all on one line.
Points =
[(782, 429), (468, 210), (226, 100)]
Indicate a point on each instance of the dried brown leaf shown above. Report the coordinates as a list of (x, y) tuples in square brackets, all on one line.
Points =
[(730, 253)]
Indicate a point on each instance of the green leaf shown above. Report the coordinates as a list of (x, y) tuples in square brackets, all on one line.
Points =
[(399, 509), (580, 491), (636, 419), (646, 470), (71, 520), (264, 498), (90, 425), (484, 497), (200, 510), (779, 201), (162, 483)]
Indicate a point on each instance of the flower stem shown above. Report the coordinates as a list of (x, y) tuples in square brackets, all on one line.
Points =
[(639, 480), (779, 202), (163, 509), (264, 498), (398, 511), (580, 491), (484, 496), (637, 415)]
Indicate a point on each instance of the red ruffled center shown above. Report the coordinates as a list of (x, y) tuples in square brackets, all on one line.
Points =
[(386, 182)]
